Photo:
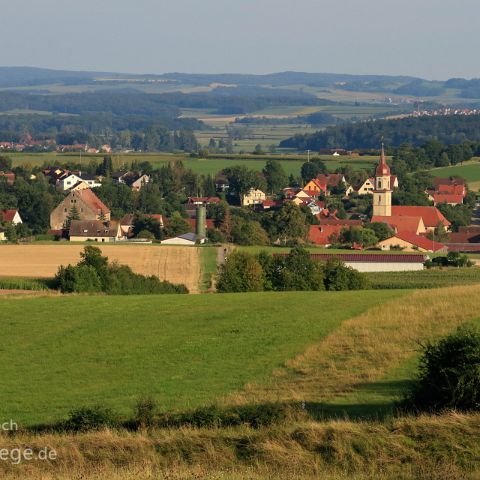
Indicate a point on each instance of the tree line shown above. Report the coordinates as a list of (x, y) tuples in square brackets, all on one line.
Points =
[(450, 130)]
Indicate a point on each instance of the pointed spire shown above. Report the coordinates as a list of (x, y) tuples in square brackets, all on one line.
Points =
[(383, 169)]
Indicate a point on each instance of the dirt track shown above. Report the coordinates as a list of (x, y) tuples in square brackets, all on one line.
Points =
[(175, 264)]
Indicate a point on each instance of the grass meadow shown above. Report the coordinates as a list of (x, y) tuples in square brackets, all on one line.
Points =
[(207, 166), (470, 171), (62, 352), (343, 359)]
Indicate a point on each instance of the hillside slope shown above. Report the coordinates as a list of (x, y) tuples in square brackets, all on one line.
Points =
[(185, 350)]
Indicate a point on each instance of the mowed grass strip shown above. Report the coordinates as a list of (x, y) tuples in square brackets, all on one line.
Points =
[(363, 366), (59, 353)]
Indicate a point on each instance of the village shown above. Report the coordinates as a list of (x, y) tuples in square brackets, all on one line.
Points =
[(83, 217)]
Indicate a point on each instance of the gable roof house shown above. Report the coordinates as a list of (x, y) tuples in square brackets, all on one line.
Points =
[(409, 242), (403, 223), (136, 181), (87, 205), (252, 197), (368, 186), (10, 216), (448, 198), (315, 188), (437, 181), (95, 230), (431, 216)]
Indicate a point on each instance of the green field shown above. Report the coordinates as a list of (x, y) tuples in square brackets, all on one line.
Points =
[(61, 353), (207, 166), (433, 278), (470, 171)]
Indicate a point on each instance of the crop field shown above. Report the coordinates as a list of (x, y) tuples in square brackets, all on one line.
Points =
[(433, 278), (175, 264), (470, 171), (206, 166), (62, 352)]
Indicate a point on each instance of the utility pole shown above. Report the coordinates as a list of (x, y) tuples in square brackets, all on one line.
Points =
[(308, 155)]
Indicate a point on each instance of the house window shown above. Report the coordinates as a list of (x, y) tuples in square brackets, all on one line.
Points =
[(379, 184), (65, 210)]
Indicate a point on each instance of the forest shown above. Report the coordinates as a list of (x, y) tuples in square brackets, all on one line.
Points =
[(452, 129)]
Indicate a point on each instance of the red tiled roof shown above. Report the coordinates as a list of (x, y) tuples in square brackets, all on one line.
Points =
[(431, 215), (372, 257), (271, 203), (91, 199), (399, 223), (341, 222), (8, 215), (448, 181), (320, 234), (330, 179), (420, 241), (193, 223), (452, 189), (447, 198)]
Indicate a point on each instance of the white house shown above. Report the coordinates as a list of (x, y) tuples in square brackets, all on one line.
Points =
[(10, 216), (253, 197), (72, 180)]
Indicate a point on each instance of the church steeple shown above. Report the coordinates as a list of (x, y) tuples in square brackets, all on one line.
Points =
[(382, 168), (382, 195)]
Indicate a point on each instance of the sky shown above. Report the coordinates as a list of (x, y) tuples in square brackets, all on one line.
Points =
[(433, 39)]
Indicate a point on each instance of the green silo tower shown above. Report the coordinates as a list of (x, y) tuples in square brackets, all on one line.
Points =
[(201, 230)]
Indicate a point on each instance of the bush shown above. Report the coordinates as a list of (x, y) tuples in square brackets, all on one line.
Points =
[(340, 277), (90, 418), (145, 411), (94, 274), (241, 272), (449, 373), (255, 416), (146, 235), (293, 272)]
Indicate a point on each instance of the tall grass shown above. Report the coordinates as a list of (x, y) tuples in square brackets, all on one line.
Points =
[(426, 447)]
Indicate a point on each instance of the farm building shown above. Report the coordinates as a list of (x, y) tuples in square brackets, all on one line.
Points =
[(83, 204), (95, 230), (187, 239), (409, 242), (377, 262)]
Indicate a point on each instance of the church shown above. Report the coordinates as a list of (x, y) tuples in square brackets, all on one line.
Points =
[(412, 221)]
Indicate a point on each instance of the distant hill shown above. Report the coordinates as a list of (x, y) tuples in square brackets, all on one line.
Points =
[(14, 77)]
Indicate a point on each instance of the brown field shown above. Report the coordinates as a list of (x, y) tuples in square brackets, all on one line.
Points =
[(175, 264)]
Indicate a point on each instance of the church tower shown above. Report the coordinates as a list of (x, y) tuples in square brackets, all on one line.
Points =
[(382, 195)]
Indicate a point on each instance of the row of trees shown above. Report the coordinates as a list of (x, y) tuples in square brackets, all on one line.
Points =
[(244, 272), (94, 274)]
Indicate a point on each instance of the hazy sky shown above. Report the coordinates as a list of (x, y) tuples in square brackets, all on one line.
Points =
[(435, 39)]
